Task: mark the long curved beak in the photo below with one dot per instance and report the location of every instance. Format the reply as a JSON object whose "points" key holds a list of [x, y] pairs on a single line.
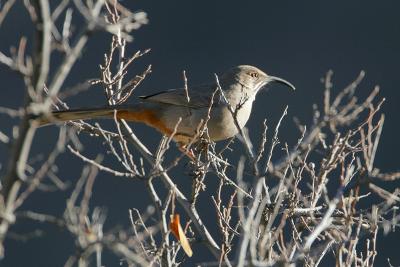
{"points": [[280, 80]]}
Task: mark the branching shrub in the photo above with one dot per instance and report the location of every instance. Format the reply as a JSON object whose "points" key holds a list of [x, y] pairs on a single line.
{"points": [[302, 208]]}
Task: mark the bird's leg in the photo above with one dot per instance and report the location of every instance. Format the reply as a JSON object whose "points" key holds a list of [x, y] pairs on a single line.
{"points": [[188, 152]]}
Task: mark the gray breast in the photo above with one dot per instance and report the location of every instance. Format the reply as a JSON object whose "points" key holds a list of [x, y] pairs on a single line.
{"points": [[222, 124]]}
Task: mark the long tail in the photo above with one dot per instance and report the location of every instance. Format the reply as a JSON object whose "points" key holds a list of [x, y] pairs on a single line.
{"points": [[86, 114], [136, 112]]}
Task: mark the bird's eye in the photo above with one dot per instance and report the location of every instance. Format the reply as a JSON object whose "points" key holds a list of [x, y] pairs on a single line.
{"points": [[253, 74]]}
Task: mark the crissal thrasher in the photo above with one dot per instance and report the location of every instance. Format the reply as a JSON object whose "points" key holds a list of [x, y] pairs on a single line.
{"points": [[172, 109]]}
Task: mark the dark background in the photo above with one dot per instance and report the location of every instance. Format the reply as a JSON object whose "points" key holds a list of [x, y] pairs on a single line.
{"points": [[295, 40]]}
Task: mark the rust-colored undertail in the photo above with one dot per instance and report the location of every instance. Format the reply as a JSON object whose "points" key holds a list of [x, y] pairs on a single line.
{"points": [[135, 114]]}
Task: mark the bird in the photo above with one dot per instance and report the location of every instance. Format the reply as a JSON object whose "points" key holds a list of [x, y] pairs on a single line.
{"points": [[225, 105]]}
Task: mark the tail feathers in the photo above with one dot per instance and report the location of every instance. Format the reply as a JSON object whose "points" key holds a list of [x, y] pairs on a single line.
{"points": [[78, 114]]}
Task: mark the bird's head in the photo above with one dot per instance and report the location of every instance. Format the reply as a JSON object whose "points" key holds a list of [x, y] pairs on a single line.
{"points": [[252, 78]]}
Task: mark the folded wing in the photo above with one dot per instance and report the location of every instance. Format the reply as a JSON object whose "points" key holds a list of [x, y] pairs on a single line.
{"points": [[199, 97]]}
